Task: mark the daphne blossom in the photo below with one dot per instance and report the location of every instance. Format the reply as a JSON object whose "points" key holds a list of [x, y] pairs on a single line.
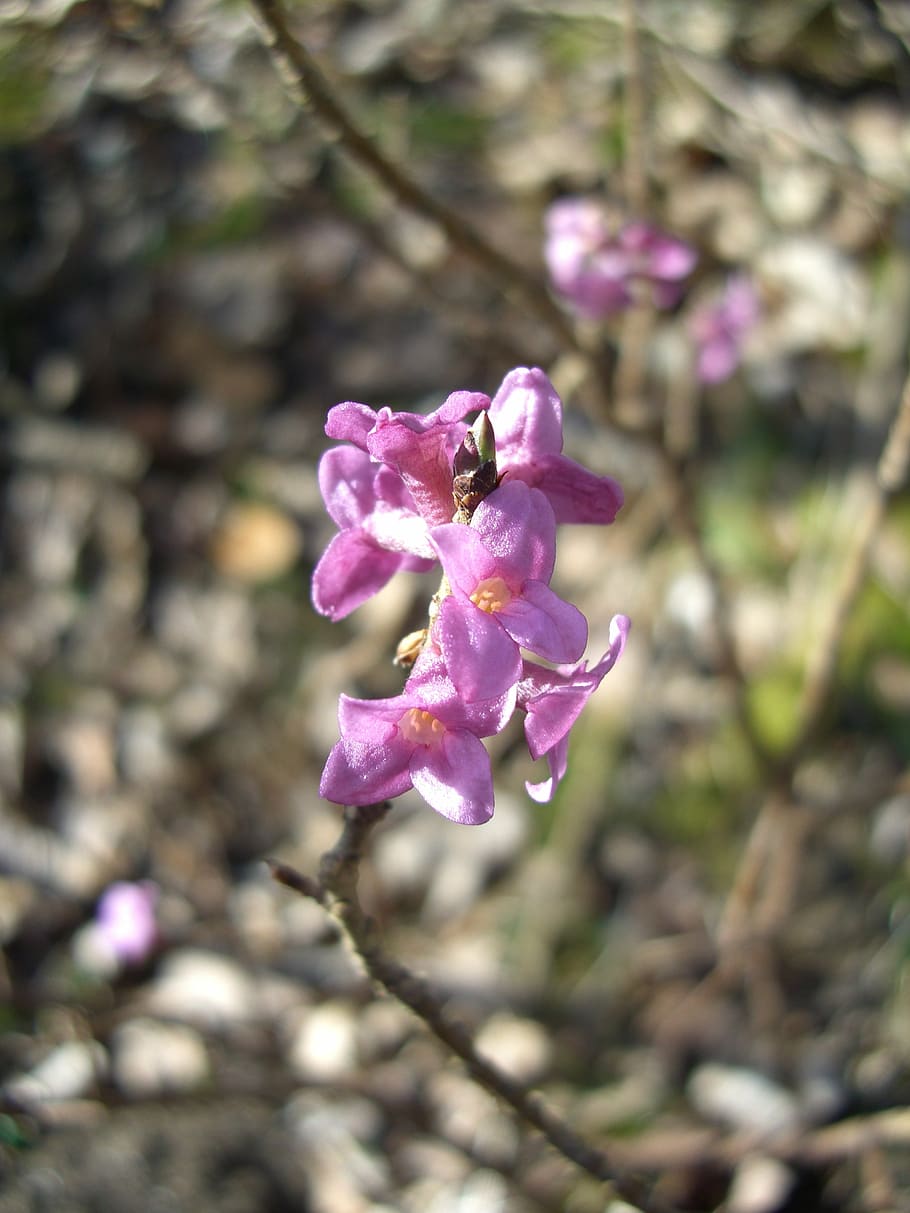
{"points": [[498, 570], [125, 920], [720, 328], [408, 489], [553, 701], [427, 738], [599, 269]]}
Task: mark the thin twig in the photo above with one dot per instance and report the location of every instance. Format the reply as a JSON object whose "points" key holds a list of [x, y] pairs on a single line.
{"points": [[684, 512], [751, 882], [336, 891], [820, 1147], [635, 148], [890, 477], [309, 81]]}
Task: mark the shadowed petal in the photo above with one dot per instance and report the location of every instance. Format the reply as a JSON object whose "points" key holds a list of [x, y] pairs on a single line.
{"points": [[351, 570], [517, 527], [545, 624], [557, 761], [359, 773], [347, 481], [454, 778], [464, 557], [482, 661], [575, 494]]}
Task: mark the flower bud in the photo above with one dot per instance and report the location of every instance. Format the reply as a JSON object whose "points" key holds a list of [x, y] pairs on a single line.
{"points": [[474, 467]]}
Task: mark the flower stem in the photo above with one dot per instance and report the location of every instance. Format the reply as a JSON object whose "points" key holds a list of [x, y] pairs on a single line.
{"points": [[336, 891]]}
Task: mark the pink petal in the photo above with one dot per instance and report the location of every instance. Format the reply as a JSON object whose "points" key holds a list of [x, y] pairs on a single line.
{"points": [[543, 623], [717, 359], [350, 422], [430, 686], [372, 721], [358, 773], [347, 481], [517, 526], [527, 416], [423, 460], [483, 662], [454, 778], [464, 557], [557, 762], [574, 493], [351, 570], [554, 699]]}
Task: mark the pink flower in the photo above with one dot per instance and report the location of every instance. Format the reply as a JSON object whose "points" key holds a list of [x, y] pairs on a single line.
{"points": [[125, 918], [427, 738], [526, 415], [596, 269], [419, 448], [553, 701], [395, 481], [381, 532], [393, 489], [498, 569], [721, 327]]}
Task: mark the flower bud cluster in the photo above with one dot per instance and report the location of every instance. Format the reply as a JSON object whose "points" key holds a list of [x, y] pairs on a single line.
{"points": [[408, 490]]}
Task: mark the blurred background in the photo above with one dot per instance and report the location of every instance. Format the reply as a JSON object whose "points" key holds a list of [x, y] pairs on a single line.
{"points": [[193, 274]]}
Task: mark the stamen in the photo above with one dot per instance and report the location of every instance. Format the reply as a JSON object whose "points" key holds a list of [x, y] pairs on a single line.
{"points": [[421, 727], [492, 594]]}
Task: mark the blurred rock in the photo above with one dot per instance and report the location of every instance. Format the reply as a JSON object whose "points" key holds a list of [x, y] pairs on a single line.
{"points": [[794, 194], [382, 1028], [151, 1058], [215, 628], [880, 133], [760, 1185], [84, 747], [206, 989], [889, 840], [146, 755], [520, 1047], [825, 296], [98, 450], [17, 899], [324, 1047], [68, 1072], [742, 1099], [255, 542], [12, 747], [337, 1137], [56, 380]]}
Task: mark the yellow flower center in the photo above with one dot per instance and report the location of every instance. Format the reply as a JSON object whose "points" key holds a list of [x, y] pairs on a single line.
{"points": [[421, 727], [491, 594]]}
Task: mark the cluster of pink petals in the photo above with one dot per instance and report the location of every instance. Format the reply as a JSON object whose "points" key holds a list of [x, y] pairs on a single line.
{"points": [[600, 270], [389, 490], [720, 328]]}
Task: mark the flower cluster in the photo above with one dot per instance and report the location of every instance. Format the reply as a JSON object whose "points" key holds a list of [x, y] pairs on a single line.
{"points": [[599, 270], [407, 490]]}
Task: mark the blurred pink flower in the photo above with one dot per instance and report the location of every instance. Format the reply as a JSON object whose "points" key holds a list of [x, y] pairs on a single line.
{"points": [[125, 918], [597, 269], [721, 326]]}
